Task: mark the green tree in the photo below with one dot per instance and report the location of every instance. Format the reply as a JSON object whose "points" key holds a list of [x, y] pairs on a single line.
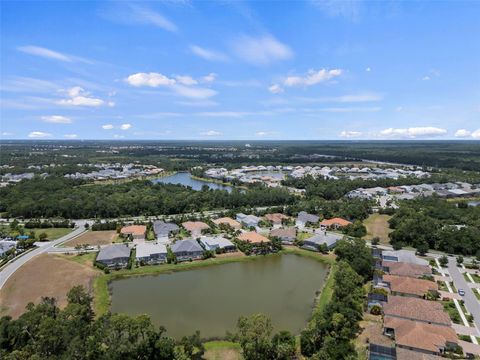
{"points": [[254, 336], [443, 260]]}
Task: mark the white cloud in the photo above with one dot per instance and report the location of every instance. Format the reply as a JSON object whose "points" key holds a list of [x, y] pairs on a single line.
{"points": [[426, 78], [209, 78], [70, 136], [77, 96], [275, 89], [125, 126], [211, 133], [57, 119], [194, 92], [151, 79], [368, 69], [265, 133], [462, 133], [38, 135], [261, 50], [117, 136], [186, 80], [312, 77], [210, 55], [51, 54], [413, 132], [6, 133], [476, 134], [147, 16], [350, 134], [107, 127]]}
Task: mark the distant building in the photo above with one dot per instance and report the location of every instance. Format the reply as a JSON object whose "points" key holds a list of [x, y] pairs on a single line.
{"points": [[114, 256], [163, 230], [334, 223], [6, 245], [276, 219], [195, 227], [187, 250], [151, 253], [324, 238], [286, 235], [217, 242], [137, 232], [234, 224], [248, 220], [304, 218]]}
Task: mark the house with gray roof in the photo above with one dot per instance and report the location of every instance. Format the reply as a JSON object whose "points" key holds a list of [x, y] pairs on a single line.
{"points": [[163, 230], [114, 256], [151, 253], [323, 238], [402, 256], [286, 235], [248, 220], [214, 243], [6, 245], [187, 250], [304, 218]]}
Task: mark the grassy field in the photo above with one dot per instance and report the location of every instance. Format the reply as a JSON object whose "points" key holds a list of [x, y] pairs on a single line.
{"points": [[222, 350], [377, 226], [93, 238], [46, 275], [52, 233]]}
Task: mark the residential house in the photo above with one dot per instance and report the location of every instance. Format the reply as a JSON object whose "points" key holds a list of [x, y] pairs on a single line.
{"points": [[195, 227], [187, 250], [234, 224], [406, 286], [420, 336], [409, 308], [248, 220], [304, 219], [335, 223], [406, 269], [217, 243], [6, 245], [402, 256], [137, 232], [286, 235], [151, 253], [163, 230], [324, 238], [276, 219], [114, 256], [259, 244]]}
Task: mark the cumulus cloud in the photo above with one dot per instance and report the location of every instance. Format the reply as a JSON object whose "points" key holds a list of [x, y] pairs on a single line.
{"points": [[57, 119], [207, 54], [151, 79], [107, 127], [275, 89], [77, 96], [463, 133], [476, 134], [413, 132], [186, 80], [312, 77], [209, 78], [38, 135], [350, 134], [194, 92], [261, 50], [70, 136], [125, 126], [211, 133]]}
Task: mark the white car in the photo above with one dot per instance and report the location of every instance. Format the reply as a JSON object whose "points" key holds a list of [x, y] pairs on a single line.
{"points": [[461, 292]]}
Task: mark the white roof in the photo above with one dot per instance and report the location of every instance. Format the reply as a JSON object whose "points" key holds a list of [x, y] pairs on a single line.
{"points": [[216, 241], [148, 249]]}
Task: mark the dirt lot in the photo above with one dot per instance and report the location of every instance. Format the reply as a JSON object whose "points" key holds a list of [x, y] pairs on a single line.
{"points": [[93, 238], [45, 275], [377, 225]]}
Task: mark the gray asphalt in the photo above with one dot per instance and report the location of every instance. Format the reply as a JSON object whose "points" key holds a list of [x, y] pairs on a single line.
{"points": [[471, 302], [13, 266]]}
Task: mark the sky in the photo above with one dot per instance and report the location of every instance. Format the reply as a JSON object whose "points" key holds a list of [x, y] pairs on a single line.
{"points": [[240, 70]]}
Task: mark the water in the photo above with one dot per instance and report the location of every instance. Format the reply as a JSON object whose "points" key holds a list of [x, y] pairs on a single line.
{"points": [[185, 178], [212, 299]]}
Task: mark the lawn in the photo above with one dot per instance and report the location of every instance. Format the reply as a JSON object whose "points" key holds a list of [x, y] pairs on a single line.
{"points": [[377, 226], [52, 233], [222, 350], [303, 235], [93, 238]]}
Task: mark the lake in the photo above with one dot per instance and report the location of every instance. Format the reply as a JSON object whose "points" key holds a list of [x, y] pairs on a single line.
{"points": [[185, 178], [211, 299]]}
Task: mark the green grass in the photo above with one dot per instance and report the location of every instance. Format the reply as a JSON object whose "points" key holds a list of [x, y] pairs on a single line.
{"points": [[303, 235], [220, 350], [214, 345], [449, 307], [84, 259], [377, 226], [467, 279], [477, 295], [52, 233]]}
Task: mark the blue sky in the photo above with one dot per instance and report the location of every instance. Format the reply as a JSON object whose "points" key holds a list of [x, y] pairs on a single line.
{"points": [[240, 70]]}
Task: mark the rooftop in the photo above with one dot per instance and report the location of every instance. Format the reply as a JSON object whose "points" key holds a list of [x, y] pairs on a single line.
{"points": [[216, 241], [407, 285], [195, 225], [252, 237], [186, 246], [406, 269], [276, 217], [416, 309], [228, 221], [164, 228], [284, 232], [335, 221], [114, 251], [148, 249], [306, 217], [134, 229]]}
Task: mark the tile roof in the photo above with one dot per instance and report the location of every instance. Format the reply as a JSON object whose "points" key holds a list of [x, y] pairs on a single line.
{"points": [[284, 232], [420, 335], [195, 225], [327, 238], [407, 285], [229, 221], [335, 221], [134, 230], [252, 237], [276, 218], [416, 309], [186, 246], [406, 269]]}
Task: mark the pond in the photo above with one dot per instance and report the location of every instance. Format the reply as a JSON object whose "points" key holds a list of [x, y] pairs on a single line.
{"points": [[185, 178], [211, 299]]}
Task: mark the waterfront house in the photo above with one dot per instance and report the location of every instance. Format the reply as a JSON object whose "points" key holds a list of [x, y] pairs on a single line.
{"points": [[114, 256], [187, 250], [304, 219], [409, 308], [163, 230], [195, 227], [286, 235], [136, 232], [257, 244], [151, 253], [324, 238], [406, 269], [214, 243], [406, 286]]}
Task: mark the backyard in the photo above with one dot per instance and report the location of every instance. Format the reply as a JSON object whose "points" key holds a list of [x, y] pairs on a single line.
{"points": [[377, 226]]}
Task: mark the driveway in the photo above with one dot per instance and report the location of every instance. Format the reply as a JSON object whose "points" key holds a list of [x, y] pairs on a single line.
{"points": [[471, 302], [13, 266]]}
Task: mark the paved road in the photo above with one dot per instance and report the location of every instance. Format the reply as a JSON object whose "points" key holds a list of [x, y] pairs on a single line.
{"points": [[471, 302], [13, 266]]}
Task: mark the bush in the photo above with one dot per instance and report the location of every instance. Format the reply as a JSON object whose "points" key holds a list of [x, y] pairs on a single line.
{"points": [[376, 310]]}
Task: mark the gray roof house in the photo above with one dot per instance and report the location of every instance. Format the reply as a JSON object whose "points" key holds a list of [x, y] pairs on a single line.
{"points": [[305, 218], [286, 235], [402, 256], [6, 245], [328, 238], [217, 242], [116, 255], [248, 220], [151, 253], [185, 250], [163, 229]]}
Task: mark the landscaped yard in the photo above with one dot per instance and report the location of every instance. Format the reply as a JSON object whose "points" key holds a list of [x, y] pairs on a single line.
{"points": [[377, 226], [222, 350], [93, 238], [303, 235]]}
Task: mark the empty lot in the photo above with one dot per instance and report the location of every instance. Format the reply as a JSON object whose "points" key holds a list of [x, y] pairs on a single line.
{"points": [[93, 238], [377, 225], [45, 275]]}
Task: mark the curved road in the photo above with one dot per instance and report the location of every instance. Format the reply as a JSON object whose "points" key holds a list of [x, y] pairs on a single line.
{"points": [[13, 266]]}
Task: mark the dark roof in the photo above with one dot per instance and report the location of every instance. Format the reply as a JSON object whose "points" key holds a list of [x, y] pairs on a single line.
{"points": [[162, 228], [306, 217], [113, 252], [186, 246], [327, 238]]}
